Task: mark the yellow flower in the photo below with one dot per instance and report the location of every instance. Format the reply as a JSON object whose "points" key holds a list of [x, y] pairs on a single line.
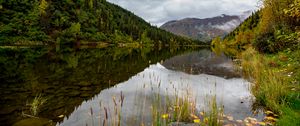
{"points": [[197, 120], [262, 123], [165, 116]]}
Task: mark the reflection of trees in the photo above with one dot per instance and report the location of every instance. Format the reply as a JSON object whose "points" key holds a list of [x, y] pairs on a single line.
{"points": [[67, 77]]}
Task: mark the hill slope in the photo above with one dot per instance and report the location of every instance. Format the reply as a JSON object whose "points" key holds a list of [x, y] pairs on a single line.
{"points": [[68, 21], [267, 46], [205, 29]]}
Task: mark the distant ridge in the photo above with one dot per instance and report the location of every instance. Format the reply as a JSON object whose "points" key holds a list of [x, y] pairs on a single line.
{"points": [[205, 29]]}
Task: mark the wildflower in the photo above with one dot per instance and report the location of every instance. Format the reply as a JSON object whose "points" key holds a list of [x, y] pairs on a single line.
{"points": [[262, 123], [197, 120], [165, 116]]}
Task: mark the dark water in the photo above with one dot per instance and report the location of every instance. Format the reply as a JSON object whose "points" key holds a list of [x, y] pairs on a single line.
{"points": [[74, 82], [65, 78]]}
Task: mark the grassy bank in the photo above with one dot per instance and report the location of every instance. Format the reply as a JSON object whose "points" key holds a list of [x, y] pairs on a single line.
{"points": [[268, 44], [275, 79]]}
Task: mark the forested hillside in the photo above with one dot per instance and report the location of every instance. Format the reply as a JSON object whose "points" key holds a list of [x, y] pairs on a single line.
{"points": [[31, 22], [272, 29], [267, 46]]}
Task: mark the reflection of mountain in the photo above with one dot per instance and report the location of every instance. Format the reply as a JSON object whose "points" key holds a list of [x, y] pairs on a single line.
{"points": [[66, 78], [157, 85], [205, 29], [203, 61]]}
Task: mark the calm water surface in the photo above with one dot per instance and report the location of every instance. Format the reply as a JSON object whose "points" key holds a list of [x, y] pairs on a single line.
{"points": [[88, 86]]}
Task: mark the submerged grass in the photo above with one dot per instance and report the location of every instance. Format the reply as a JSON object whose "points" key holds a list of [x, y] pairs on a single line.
{"points": [[36, 104], [275, 83]]}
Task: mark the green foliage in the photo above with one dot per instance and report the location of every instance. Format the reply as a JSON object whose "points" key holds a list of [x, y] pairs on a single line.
{"points": [[276, 73], [75, 21], [276, 82], [75, 28], [249, 24], [289, 118], [263, 42], [270, 30], [145, 39], [274, 31]]}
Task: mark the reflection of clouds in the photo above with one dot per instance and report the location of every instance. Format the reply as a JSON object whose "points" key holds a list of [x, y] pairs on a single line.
{"points": [[141, 89], [158, 12]]}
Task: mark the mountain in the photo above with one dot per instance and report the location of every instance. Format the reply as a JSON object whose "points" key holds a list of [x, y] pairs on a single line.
{"points": [[70, 22], [205, 29]]}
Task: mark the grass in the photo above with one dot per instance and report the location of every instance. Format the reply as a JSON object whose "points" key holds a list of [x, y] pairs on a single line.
{"points": [[35, 105], [115, 115], [173, 110], [275, 81], [183, 110], [216, 114], [289, 118]]}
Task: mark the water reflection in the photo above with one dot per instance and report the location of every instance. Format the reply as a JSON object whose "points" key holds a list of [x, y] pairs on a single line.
{"points": [[141, 91], [65, 78], [204, 61]]}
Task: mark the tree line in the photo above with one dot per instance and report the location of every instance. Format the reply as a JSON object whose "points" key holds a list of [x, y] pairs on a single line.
{"points": [[71, 21]]}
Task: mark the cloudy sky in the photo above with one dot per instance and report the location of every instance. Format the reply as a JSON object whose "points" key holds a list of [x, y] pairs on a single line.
{"points": [[158, 12]]}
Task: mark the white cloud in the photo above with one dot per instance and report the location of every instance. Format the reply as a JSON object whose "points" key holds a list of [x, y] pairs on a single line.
{"points": [[158, 12]]}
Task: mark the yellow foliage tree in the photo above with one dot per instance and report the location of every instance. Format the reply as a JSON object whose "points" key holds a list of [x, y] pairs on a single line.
{"points": [[43, 6], [294, 10], [273, 13], [216, 45]]}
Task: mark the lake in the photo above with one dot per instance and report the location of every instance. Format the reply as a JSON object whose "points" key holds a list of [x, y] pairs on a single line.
{"points": [[120, 86]]}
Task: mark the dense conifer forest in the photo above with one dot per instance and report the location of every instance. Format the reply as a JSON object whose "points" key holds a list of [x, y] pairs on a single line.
{"points": [[32, 22]]}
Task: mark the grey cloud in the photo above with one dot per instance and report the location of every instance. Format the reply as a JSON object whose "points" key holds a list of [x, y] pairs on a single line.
{"points": [[158, 12]]}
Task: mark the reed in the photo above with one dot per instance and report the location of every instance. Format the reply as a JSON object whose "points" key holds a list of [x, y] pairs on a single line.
{"points": [[215, 115]]}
